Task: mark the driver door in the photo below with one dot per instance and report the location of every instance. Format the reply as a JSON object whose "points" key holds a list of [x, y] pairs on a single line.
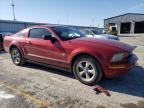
{"points": [[44, 51]]}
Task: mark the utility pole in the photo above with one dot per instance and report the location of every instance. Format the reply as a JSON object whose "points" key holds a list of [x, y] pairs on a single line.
{"points": [[13, 10]]}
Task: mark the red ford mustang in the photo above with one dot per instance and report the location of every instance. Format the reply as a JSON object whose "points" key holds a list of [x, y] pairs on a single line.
{"points": [[62, 47]]}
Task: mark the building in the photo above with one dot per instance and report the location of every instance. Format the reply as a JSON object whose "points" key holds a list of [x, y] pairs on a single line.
{"points": [[130, 23], [15, 26]]}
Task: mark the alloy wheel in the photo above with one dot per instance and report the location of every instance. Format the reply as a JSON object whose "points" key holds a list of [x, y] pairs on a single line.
{"points": [[86, 70], [15, 56]]}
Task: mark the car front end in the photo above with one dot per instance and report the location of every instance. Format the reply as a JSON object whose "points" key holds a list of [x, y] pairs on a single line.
{"points": [[120, 63], [116, 58]]}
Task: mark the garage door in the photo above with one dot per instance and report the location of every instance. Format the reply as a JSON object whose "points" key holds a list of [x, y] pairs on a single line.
{"points": [[139, 27], [125, 28]]}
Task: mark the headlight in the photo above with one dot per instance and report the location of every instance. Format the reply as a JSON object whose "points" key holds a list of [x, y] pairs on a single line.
{"points": [[117, 57]]}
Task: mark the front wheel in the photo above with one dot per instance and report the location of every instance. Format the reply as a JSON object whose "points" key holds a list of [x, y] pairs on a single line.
{"points": [[87, 70], [16, 57]]}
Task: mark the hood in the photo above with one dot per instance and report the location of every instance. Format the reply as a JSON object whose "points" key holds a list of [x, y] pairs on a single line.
{"points": [[109, 36], [104, 42], [101, 36]]}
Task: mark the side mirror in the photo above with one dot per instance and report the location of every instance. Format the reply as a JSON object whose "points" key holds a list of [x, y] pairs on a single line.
{"points": [[47, 37], [50, 37], [53, 39]]}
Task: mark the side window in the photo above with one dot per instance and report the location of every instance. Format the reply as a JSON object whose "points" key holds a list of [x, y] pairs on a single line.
{"points": [[38, 33]]}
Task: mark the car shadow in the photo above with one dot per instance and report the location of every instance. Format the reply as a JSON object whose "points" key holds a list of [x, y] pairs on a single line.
{"points": [[131, 84], [49, 69]]}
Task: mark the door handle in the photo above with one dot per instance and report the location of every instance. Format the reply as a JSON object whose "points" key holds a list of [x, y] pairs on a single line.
{"points": [[28, 42]]}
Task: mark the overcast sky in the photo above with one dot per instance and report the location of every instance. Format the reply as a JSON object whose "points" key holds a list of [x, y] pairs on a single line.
{"points": [[73, 12]]}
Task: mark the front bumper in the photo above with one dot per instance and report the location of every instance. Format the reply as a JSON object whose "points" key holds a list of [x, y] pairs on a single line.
{"points": [[115, 70]]}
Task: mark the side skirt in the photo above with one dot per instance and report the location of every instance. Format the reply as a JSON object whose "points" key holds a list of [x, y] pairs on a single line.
{"points": [[51, 66]]}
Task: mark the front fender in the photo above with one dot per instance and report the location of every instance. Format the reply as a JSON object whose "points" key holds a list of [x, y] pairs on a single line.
{"points": [[96, 54]]}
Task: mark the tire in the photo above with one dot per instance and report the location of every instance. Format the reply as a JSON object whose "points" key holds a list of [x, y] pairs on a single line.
{"points": [[87, 70], [16, 57]]}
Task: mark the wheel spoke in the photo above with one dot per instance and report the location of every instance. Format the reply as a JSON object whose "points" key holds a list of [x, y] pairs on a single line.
{"points": [[13, 56], [17, 60], [14, 52], [17, 55], [82, 73], [81, 66], [87, 76], [87, 65], [91, 71]]}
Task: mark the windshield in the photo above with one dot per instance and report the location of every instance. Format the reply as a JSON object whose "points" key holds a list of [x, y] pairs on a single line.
{"points": [[67, 33], [88, 32]]}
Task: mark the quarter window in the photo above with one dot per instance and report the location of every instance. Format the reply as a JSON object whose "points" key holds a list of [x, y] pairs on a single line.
{"points": [[38, 33]]}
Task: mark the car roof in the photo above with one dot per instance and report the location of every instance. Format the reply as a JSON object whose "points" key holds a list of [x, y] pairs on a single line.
{"points": [[48, 26]]}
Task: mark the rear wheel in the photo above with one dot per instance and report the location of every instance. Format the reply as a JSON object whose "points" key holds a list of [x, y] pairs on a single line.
{"points": [[87, 70], [16, 56]]}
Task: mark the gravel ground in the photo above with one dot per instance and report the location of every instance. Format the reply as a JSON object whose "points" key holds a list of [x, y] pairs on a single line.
{"points": [[36, 86]]}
